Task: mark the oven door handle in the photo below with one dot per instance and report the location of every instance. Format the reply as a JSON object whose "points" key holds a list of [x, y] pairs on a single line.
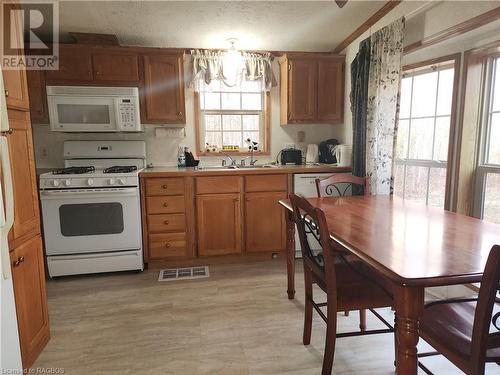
{"points": [[52, 194]]}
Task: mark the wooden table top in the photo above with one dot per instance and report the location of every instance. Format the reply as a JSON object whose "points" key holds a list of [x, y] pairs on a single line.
{"points": [[410, 243]]}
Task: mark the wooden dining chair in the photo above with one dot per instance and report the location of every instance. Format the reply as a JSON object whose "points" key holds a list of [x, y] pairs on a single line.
{"points": [[346, 288], [340, 184], [465, 330]]}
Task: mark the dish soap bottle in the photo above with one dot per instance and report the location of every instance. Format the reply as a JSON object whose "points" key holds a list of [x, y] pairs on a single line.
{"points": [[181, 158]]}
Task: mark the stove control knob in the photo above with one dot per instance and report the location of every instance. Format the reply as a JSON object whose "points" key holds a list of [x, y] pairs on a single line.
{"points": [[67, 182], [121, 181], [55, 183], [90, 182], [111, 181]]}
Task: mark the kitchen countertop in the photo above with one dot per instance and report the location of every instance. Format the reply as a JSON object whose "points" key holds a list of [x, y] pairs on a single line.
{"points": [[207, 171]]}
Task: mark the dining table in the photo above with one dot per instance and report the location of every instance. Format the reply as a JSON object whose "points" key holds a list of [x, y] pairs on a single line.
{"points": [[413, 245]]}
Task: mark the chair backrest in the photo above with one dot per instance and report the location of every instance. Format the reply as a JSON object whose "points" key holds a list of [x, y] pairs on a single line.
{"points": [[481, 338], [338, 184], [311, 220]]}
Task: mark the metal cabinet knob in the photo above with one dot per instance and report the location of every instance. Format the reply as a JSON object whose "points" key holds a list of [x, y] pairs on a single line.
{"points": [[179, 114], [6, 93], [166, 222], [97, 73], [163, 186], [167, 245], [18, 262], [165, 204]]}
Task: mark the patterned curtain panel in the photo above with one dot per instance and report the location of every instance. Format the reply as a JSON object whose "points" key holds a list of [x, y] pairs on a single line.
{"points": [[359, 98], [231, 68], [383, 105]]}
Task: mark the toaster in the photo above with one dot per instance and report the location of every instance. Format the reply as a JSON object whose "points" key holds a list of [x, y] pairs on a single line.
{"points": [[291, 156]]}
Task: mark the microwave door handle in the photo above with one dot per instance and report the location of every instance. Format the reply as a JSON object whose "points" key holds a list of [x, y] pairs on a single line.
{"points": [[117, 119], [9, 207]]}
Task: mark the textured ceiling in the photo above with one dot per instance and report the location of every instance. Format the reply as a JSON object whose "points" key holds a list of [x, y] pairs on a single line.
{"points": [[261, 25]]}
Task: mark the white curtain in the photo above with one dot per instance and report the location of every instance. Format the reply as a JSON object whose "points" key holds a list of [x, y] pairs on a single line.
{"points": [[208, 65], [383, 105]]}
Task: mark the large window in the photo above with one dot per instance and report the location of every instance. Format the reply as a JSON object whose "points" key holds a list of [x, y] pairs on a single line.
{"points": [[421, 161], [231, 115], [488, 172]]}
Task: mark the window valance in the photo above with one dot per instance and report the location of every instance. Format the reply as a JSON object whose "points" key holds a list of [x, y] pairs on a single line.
{"points": [[231, 68]]}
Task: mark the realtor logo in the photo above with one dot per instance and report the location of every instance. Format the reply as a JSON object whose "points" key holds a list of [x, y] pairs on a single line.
{"points": [[30, 38]]}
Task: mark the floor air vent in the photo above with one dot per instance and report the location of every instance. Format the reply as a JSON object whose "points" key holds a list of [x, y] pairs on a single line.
{"points": [[183, 273]]}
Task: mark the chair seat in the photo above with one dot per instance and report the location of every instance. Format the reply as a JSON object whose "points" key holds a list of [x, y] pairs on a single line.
{"points": [[356, 290], [450, 324]]}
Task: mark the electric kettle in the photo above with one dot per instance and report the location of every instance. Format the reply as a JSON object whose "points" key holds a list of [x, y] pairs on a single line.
{"points": [[343, 154]]}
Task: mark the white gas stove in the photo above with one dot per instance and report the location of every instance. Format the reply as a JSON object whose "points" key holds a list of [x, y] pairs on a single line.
{"points": [[91, 208]]}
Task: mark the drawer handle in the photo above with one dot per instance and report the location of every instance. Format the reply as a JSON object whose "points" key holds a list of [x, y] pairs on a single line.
{"points": [[163, 186], [166, 222], [6, 93], [167, 245], [179, 114], [165, 204], [98, 73], [18, 262]]}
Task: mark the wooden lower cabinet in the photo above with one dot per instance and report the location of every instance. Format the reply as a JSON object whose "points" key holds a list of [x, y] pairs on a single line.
{"points": [[31, 298], [264, 222], [218, 219]]}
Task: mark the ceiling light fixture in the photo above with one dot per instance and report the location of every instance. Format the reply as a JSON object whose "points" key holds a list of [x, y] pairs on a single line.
{"points": [[232, 63]]}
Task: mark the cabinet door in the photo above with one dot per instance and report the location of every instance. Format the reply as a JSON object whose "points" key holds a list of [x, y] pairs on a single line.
{"points": [[115, 66], [302, 90], [164, 89], [16, 86], [27, 218], [75, 64], [331, 90], [264, 222], [28, 276], [37, 97], [219, 224]]}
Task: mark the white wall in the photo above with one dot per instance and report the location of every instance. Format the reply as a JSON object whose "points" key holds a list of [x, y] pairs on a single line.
{"points": [[163, 151]]}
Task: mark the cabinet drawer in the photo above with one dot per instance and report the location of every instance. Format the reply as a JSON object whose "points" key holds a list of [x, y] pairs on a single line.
{"points": [[165, 205], [166, 223], [165, 186], [167, 245], [275, 182], [223, 184]]}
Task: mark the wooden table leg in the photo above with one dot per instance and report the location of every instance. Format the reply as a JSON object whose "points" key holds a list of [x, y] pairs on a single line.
{"points": [[409, 309], [290, 254]]}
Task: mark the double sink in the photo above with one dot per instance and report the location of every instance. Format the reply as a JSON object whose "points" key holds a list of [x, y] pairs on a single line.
{"points": [[237, 167]]}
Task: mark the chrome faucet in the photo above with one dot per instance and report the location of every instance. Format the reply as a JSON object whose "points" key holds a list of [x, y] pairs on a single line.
{"points": [[231, 159]]}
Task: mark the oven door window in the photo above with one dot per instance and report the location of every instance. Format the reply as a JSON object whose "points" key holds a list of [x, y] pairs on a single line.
{"points": [[91, 219]]}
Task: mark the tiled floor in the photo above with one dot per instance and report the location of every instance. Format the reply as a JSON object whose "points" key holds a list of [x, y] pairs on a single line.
{"points": [[238, 321]]}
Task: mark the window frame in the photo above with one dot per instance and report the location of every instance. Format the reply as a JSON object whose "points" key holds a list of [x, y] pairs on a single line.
{"points": [[422, 67], [264, 146], [483, 167]]}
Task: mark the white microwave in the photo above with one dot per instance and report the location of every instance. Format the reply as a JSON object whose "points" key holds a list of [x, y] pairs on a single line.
{"points": [[93, 109]]}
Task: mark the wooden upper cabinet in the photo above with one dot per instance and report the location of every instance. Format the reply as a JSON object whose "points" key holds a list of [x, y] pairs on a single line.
{"points": [[15, 82], [312, 88], [302, 79], [27, 217], [37, 97], [115, 65], [31, 298], [331, 90], [75, 64], [163, 93], [264, 222], [219, 224]]}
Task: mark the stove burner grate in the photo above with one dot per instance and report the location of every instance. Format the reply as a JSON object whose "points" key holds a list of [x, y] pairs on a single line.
{"points": [[74, 170], [120, 169]]}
